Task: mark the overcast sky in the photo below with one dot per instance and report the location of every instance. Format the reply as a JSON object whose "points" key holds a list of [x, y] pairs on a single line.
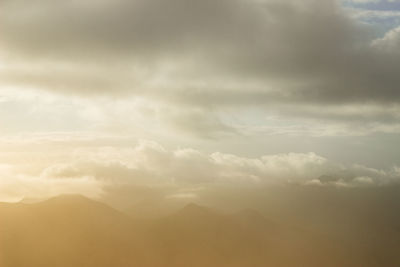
{"points": [[187, 94]]}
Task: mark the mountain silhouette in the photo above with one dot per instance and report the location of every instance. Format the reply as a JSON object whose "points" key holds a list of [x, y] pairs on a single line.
{"points": [[69, 230], [72, 230]]}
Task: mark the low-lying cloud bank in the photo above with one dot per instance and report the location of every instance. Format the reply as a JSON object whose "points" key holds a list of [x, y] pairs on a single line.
{"points": [[182, 172], [149, 162]]}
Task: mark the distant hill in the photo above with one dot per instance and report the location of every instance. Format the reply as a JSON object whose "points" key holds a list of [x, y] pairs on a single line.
{"points": [[72, 230], [66, 231]]}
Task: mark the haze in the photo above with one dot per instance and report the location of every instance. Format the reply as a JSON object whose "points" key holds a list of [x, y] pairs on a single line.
{"points": [[199, 133]]}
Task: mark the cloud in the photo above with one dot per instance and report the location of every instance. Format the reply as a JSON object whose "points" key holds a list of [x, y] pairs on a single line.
{"points": [[148, 169], [198, 122], [203, 59], [81, 81], [188, 166], [14, 186], [280, 47], [390, 43]]}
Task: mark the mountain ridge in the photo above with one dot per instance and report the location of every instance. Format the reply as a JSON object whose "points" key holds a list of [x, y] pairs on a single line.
{"points": [[78, 231]]}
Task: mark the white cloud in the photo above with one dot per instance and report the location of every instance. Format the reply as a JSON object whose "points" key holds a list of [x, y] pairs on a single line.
{"points": [[390, 43], [15, 186], [88, 170]]}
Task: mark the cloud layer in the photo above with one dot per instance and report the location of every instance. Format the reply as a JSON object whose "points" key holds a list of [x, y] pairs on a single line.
{"points": [[95, 171], [286, 58]]}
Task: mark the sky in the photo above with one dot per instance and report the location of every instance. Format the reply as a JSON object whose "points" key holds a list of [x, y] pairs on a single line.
{"points": [[174, 98]]}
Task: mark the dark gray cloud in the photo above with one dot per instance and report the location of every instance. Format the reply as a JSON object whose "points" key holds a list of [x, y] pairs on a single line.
{"points": [[204, 53]]}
